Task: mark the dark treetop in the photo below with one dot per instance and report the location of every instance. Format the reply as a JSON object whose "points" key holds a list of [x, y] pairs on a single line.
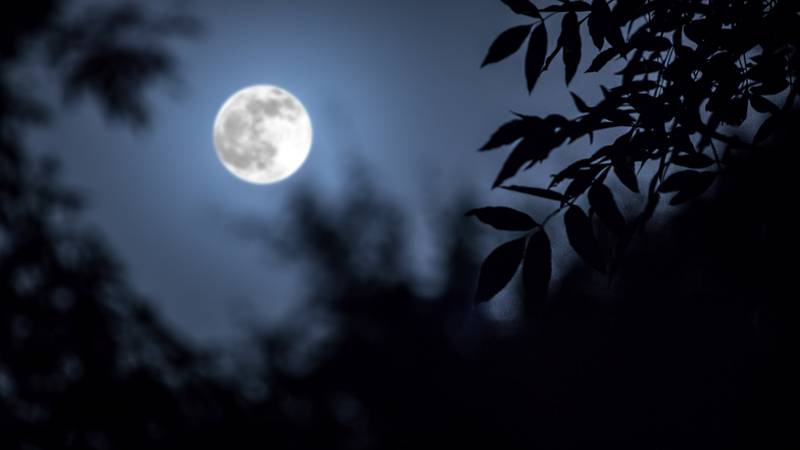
{"points": [[690, 73]]}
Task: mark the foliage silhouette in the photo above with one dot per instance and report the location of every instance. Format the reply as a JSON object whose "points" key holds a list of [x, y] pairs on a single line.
{"points": [[691, 71], [504, 218], [680, 352], [83, 363]]}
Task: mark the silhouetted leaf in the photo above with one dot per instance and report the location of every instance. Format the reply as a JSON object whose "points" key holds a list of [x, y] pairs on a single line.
{"points": [[677, 181], [699, 30], [571, 42], [615, 38], [680, 139], [581, 237], [553, 54], [772, 87], [602, 201], [579, 103], [626, 174], [508, 133], [523, 7], [506, 44], [599, 21], [652, 111], [649, 209], [763, 105], [635, 86], [530, 150], [649, 42], [516, 159], [538, 192], [766, 129], [733, 110], [570, 171], [534, 59], [768, 67], [602, 59], [688, 183], [692, 160], [537, 267], [582, 180], [504, 218], [638, 67], [579, 184], [499, 268]]}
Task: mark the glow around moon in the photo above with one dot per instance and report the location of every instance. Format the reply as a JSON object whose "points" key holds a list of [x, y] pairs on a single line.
{"points": [[262, 134]]}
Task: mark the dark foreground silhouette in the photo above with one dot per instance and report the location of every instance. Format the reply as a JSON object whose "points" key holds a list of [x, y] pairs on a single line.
{"points": [[686, 76], [686, 349]]}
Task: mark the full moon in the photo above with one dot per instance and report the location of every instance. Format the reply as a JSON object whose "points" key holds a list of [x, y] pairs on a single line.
{"points": [[262, 134]]}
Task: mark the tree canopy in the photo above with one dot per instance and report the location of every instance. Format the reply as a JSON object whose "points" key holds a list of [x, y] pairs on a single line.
{"points": [[692, 72]]}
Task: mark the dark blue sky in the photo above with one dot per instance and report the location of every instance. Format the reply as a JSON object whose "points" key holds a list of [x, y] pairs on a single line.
{"points": [[392, 87]]}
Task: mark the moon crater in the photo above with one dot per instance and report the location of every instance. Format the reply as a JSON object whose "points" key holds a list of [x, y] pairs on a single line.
{"points": [[262, 134]]}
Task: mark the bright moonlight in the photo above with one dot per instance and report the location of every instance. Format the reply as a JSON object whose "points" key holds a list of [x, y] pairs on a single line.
{"points": [[262, 134]]}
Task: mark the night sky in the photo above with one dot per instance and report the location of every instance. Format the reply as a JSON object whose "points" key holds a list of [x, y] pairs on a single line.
{"points": [[394, 89]]}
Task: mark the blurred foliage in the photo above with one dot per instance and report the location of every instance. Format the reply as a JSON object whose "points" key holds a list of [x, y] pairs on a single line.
{"points": [[691, 72], [83, 363], [112, 52]]}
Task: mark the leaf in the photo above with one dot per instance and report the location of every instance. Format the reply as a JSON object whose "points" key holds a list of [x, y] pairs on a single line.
{"points": [[571, 171], [571, 41], [537, 268], [530, 150], [766, 129], [692, 160], [763, 105], [506, 44], [649, 209], [518, 157], [614, 37], [648, 42], [614, 34], [652, 111], [504, 218], [680, 139], [626, 174], [637, 67], [635, 86], [579, 103], [734, 112], [524, 7], [688, 183], [695, 191], [498, 269], [582, 180], [508, 133], [602, 59], [581, 237], [534, 59], [537, 192], [599, 21], [677, 181], [773, 87], [602, 201]]}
